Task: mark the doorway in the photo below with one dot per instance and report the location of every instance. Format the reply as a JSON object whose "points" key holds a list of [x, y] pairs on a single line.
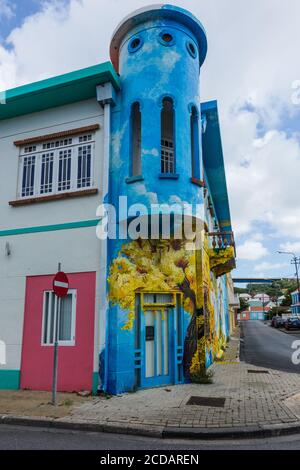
{"points": [[159, 339]]}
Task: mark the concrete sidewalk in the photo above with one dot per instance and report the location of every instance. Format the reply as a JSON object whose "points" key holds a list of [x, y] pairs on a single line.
{"points": [[258, 403], [251, 400]]}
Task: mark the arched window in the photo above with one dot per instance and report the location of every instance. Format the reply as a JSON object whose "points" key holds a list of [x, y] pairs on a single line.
{"points": [[195, 154], [136, 121], [167, 137]]}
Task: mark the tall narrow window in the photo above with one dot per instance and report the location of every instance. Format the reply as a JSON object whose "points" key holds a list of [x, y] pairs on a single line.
{"points": [[64, 170], [84, 166], [47, 173], [66, 319], [28, 176], [136, 121], [195, 154], [167, 137]]}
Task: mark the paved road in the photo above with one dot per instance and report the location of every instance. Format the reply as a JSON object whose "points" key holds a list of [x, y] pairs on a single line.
{"points": [[267, 347], [22, 438]]}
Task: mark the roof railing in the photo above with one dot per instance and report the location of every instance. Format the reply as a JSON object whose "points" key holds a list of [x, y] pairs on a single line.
{"points": [[221, 240]]}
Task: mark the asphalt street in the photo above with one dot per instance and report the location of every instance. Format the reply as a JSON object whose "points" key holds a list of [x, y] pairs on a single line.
{"points": [[25, 438], [264, 346], [261, 345]]}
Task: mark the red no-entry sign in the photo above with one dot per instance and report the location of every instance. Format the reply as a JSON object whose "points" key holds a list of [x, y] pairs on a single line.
{"points": [[60, 284]]}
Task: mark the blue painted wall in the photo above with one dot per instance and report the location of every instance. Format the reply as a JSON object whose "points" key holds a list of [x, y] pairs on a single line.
{"points": [[152, 72]]}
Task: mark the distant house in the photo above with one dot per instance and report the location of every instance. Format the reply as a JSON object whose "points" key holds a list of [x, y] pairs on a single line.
{"points": [[244, 316], [262, 297], [295, 302], [256, 311], [245, 297], [270, 305]]}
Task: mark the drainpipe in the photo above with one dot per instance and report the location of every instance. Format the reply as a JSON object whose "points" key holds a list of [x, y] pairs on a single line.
{"points": [[106, 98]]}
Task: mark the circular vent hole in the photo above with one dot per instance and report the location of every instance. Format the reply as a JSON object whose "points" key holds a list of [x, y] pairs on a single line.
{"points": [[135, 44], [167, 37]]}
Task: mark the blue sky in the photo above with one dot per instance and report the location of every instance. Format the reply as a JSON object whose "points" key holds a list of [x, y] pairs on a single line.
{"points": [[250, 69], [20, 9]]}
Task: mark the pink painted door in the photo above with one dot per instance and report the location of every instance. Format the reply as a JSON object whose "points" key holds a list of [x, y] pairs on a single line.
{"points": [[76, 334]]}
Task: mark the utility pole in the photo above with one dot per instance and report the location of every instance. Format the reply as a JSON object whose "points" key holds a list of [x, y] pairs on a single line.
{"points": [[295, 261]]}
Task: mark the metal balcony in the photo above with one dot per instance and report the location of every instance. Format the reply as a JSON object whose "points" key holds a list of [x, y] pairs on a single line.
{"points": [[221, 240], [222, 252]]}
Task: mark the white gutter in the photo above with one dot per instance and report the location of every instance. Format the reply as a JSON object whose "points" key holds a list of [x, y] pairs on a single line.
{"points": [[106, 98]]}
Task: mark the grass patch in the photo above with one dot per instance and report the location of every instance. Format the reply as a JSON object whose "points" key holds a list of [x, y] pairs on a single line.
{"points": [[203, 377]]}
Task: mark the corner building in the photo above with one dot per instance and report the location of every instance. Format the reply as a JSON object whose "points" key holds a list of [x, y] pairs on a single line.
{"points": [[141, 312]]}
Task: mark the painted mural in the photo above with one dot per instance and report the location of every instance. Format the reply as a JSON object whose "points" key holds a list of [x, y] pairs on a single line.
{"points": [[167, 266], [156, 266], [153, 51]]}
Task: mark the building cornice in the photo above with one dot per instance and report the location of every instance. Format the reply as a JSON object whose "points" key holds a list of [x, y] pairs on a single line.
{"points": [[56, 91], [57, 135]]}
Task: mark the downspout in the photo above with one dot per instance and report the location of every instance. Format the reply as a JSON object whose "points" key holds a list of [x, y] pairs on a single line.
{"points": [[106, 98]]}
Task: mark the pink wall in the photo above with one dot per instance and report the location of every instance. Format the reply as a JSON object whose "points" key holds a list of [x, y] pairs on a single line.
{"points": [[75, 362]]}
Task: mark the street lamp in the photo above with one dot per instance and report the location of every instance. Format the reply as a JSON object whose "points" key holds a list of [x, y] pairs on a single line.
{"points": [[294, 261]]}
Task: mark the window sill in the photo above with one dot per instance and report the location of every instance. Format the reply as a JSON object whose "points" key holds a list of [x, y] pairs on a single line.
{"points": [[198, 182], [168, 176], [53, 197], [134, 179]]}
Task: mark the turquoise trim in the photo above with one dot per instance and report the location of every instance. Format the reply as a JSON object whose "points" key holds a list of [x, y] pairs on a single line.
{"points": [[9, 379], [57, 91], [213, 163], [49, 228], [95, 382]]}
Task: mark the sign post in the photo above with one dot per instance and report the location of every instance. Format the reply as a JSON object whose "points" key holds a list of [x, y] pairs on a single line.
{"points": [[60, 288]]}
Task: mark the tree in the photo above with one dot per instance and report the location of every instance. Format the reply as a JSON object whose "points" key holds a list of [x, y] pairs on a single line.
{"points": [[287, 301], [240, 290], [276, 289], [243, 304]]}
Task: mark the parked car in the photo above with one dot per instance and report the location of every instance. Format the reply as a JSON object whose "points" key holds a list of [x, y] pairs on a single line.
{"points": [[280, 322], [292, 323], [273, 321]]}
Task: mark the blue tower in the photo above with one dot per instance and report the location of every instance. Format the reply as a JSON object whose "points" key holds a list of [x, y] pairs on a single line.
{"points": [[156, 158], [158, 52]]}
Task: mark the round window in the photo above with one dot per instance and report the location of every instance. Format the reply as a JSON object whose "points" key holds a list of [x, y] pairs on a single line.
{"points": [[191, 49], [135, 44], [166, 38]]}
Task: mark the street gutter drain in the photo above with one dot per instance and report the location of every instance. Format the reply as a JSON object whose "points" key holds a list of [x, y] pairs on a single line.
{"points": [[252, 371], [207, 401]]}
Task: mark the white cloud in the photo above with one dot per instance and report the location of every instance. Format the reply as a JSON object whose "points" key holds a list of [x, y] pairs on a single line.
{"points": [[251, 250], [259, 237], [267, 266], [293, 247], [267, 188]]}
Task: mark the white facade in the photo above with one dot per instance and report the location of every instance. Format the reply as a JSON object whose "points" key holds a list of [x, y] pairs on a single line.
{"points": [[77, 249]]}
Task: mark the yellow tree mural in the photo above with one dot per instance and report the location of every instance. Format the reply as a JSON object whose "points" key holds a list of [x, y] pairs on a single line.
{"points": [[159, 265]]}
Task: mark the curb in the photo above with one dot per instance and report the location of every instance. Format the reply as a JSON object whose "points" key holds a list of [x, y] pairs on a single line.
{"points": [[118, 428], [248, 432]]}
